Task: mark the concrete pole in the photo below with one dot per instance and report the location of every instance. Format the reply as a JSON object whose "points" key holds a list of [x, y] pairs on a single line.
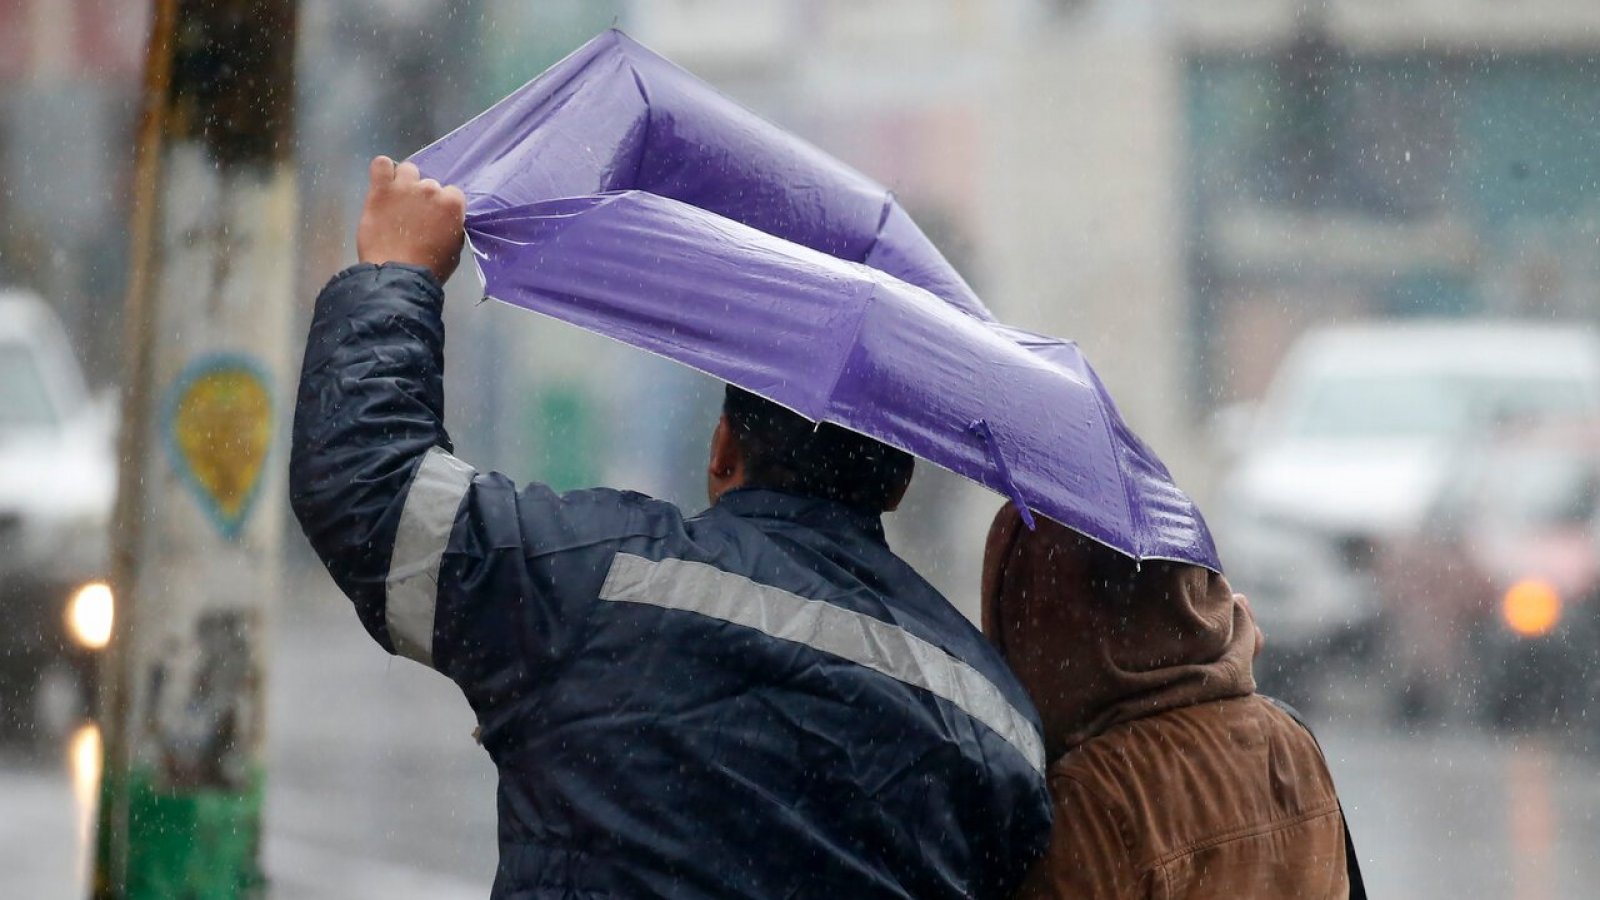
{"points": [[196, 555]]}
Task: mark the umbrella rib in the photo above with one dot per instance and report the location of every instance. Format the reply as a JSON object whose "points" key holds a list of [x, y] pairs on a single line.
{"points": [[848, 351], [649, 120], [980, 427], [1106, 412], [883, 219]]}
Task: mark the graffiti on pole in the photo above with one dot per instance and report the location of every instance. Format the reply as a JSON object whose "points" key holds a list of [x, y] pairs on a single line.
{"points": [[218, 420], [202, 716]]}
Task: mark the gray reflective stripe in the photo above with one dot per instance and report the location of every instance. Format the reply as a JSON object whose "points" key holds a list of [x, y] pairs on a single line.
{"points": [[426, 520], [699, 588]]}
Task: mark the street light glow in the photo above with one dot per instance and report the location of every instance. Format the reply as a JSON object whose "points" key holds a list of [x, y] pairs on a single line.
{"points": [[89, 615], [86, 762], [1531, 607]]}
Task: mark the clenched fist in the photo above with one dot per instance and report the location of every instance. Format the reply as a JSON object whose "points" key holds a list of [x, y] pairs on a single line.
{"points": [[410, 219]]}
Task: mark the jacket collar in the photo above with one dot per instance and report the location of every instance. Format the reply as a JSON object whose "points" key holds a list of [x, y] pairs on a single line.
{"points": [[811, 512]]}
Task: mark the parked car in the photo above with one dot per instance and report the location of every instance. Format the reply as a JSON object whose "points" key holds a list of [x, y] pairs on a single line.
{"points": [[57, 485], [1356, 436], [1494, 599]]}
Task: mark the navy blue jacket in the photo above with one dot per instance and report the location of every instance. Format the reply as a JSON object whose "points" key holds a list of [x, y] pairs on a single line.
{"points": [[760, 701]]}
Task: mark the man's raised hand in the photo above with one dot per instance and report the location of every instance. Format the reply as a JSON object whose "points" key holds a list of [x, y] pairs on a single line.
{"points": [[410, 219]]}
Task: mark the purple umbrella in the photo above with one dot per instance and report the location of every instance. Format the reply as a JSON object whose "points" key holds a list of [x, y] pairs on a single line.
{"points": [[618, 193]]}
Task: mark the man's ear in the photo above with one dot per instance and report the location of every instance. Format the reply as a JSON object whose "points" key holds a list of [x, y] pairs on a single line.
{"points": [[725, 470]]}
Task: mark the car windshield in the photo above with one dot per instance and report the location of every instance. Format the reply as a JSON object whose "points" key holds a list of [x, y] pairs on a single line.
{"points": [[1543, 487], [24, 402], [1424, 405]]}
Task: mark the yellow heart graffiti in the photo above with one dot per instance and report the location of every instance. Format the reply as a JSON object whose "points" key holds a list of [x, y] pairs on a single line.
{"points": [[221, 432]]}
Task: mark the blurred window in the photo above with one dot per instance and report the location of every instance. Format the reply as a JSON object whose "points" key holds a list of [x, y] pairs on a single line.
{"points": [[1544, 487], [1528, 401], [1389, 406], [24, 402], [1378, 406]]}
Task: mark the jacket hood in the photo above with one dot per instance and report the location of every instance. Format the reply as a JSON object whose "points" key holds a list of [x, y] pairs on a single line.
{"points": [[1098, 639]]}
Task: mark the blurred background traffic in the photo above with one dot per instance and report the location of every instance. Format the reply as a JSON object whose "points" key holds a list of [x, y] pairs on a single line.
{"points": [[1338, 261]]}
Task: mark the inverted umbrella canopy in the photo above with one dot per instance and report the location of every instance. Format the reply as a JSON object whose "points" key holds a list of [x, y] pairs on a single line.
{"points": [[619, 194], [615, 116]]}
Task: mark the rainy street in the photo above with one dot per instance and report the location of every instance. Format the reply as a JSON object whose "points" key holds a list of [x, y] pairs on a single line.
{"points": [[378, 790], [369, 755], [1247, 330]]}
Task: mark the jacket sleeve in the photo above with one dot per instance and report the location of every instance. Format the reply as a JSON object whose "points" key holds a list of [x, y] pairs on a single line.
{"points": [[453, 568], [369, 410]]}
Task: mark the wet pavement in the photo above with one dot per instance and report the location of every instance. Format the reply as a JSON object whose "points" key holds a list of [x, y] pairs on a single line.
{"points": [[1463, 814], [377, 789]]}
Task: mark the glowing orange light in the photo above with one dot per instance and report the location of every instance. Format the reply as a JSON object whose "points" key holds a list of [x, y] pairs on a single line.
{"points": [[89, 615], [84, 756], [1531, 607]]}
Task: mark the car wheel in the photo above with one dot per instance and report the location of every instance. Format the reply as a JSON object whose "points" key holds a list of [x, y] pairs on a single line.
{"points": [[1503, 708], [44, 708], [1414, 702], [59, 704]]}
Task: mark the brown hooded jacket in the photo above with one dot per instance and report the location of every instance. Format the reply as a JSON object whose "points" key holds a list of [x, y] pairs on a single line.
{"points": [[1170, 776]]}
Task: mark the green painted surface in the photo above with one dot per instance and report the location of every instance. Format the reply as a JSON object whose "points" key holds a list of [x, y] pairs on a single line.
{"points": [[1500, 152], [1533, 128], [563, 427], [519, 40], [1494, 140], [1422, 293], [200, 844]]}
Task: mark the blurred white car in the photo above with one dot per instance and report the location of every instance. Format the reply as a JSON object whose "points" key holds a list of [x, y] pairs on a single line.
{"points": [[1353, 441], [57, 485]]}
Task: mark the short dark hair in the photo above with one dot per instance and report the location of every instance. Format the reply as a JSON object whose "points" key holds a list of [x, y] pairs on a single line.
{"points": [[786, 451]]}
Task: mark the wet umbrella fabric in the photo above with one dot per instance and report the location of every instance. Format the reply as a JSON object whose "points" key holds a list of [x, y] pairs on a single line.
{"points": [[618, 193], [615, 116]]}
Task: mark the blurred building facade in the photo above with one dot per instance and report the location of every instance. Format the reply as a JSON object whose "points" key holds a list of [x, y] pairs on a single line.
{"points": [[1034, 141], [1179, 187], [1363, 160], [69, 74], [1183, 187]]}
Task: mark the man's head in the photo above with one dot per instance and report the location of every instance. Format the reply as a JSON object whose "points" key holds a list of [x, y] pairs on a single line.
{"points": [[761, 444]]}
